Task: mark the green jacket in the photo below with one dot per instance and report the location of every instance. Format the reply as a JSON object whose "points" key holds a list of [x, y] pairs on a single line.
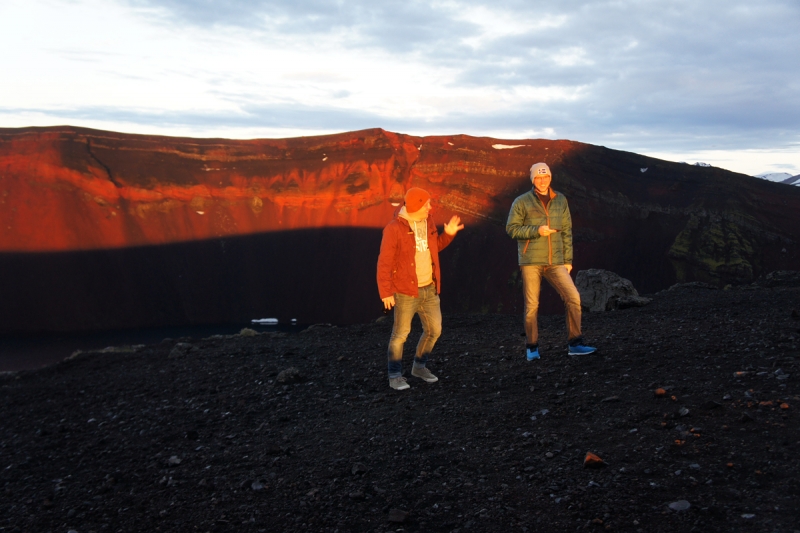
{"points": [[526, 215]]}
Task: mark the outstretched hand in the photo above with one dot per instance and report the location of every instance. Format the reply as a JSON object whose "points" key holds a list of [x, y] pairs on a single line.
{"points": [[454, 226]]}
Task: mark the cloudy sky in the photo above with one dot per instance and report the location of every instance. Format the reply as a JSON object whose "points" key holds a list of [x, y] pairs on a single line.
{"points": [[716, 81]]}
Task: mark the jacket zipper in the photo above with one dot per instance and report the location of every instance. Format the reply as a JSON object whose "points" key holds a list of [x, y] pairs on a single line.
{"points": [[549, 242]]}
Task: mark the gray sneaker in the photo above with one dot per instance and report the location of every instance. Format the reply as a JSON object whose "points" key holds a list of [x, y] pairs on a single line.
{"points": [[399, 383], [424, 374]]}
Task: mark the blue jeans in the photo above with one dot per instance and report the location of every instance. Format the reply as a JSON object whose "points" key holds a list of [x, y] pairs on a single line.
{"points": [[426, 305]]}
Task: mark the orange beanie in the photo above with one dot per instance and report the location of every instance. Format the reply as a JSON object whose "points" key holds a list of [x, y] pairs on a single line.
{"points": [[415, 199]]}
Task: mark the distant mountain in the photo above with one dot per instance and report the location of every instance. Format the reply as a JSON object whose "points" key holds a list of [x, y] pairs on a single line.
{"points": [[779, 177], [794, 180], [104, 230]]}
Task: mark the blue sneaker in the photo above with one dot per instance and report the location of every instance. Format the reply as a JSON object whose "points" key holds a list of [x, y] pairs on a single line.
{"points": [[580, 349], [532, 354]]}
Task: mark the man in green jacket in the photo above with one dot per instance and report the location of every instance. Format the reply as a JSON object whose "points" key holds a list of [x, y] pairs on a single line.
{"points": [[540, 222]]}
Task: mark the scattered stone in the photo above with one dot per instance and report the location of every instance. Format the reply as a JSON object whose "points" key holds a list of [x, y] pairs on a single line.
{"points": [[780, 278], [592, 461], [273, 450], [356, 495], [174, 460], [179, 350], [257, 486], [317, 328], [693, 285], [683, 411], [748, 516], [709, 405], [602, 290], [784, 405], [660, 393], [746, 417], [610, 399], [397, 516], [290, 375], [358, 469], [680, 505]]}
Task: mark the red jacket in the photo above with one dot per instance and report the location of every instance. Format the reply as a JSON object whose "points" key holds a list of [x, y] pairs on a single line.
{"points": [[396, 269]]}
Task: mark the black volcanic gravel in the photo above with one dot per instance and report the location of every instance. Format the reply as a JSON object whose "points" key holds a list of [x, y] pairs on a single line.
{"points": [[201, 436]]}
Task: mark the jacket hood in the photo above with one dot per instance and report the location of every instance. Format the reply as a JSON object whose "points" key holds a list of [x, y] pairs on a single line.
{"points": [[402, 213]]}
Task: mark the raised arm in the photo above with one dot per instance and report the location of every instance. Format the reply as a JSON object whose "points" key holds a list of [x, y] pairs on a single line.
{"points": [[451, 228]]}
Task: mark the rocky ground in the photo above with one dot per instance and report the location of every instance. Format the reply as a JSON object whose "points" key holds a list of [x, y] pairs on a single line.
{"points": [[203, 436]]}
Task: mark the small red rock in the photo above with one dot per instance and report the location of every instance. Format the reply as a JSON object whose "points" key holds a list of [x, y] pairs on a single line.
{"points": [[592, 460], [660, 393]]}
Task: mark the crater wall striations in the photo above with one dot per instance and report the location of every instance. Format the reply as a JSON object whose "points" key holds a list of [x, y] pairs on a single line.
{"points": [[92, 221]]}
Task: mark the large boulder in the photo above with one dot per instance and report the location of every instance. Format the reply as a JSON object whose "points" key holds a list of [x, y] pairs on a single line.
{"points": [[602, 290]]}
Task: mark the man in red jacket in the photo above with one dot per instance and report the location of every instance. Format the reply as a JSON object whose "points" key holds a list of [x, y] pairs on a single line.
{"points": [[409, 280]]}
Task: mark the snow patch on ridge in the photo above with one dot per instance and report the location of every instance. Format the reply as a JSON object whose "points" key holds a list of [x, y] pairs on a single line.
{"points": [[507, 146]]}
